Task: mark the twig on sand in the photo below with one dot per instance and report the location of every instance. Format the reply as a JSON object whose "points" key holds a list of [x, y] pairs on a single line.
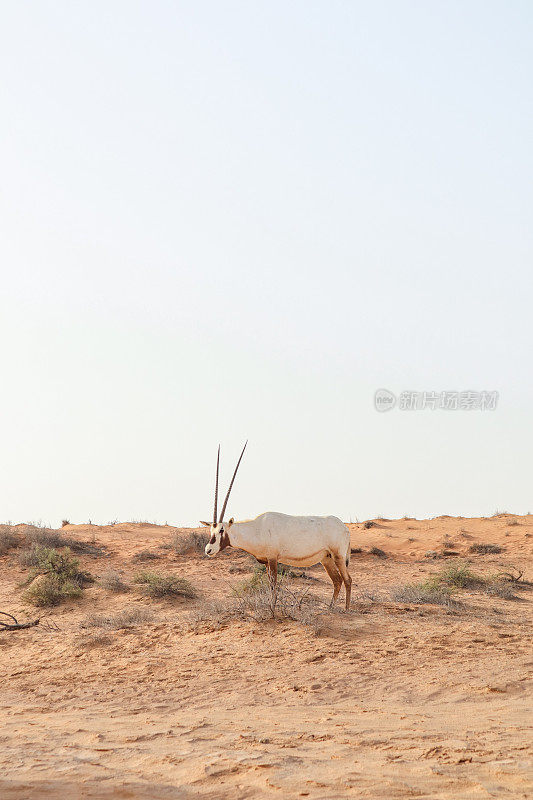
{"points": [[14, 625]]}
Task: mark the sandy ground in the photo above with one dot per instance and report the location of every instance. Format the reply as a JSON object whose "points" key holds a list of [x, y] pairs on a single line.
{"points": [[392, 700]]}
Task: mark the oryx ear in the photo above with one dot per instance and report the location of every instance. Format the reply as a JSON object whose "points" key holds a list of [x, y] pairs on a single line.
{"points": [[207, 524], [230, 522]]}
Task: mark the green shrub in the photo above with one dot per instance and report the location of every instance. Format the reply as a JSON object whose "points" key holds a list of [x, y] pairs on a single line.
{"points": [[459, 576], [424, 593], [156, 584], [54, 575], [51, 589]]}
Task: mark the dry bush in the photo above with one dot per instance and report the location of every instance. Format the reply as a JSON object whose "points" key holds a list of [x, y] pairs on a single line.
{"points": [[52, 538], [65, 522], [210, 617], [8, 539], [485, 548], [259, 578], [146, 555], [498, 588], [192, 541], [424, 593], [157, 585], [123, 619], [368, 524], [376, 551], [260, 603], [93, 639], [513, 522], [448, 543], [113, 582]]}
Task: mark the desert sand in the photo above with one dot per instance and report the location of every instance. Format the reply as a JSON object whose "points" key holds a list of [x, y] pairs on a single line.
{"points": [[391, 700]]}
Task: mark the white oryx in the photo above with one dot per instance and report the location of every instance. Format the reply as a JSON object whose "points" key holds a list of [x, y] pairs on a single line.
{"points": [[297, 541]]}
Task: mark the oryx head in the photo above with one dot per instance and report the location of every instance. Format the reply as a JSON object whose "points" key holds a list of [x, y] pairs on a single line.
{"points": [[219, 529]]}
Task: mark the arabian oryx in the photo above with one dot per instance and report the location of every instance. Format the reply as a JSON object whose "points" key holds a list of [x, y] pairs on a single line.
{"points": [[297, 541]]}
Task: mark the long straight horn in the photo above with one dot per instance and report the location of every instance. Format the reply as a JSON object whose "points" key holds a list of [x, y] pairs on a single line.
{"points": [[231, 484], [216, 489]]}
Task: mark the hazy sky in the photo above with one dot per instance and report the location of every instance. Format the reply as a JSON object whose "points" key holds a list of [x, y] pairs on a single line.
{"points": [[230, 220]]}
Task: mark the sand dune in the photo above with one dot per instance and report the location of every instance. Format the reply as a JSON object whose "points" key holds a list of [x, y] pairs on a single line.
{"points": [[392, 700]]}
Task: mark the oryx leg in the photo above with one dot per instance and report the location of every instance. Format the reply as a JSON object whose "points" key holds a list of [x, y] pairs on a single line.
{"points": [[272, 572], [334, 574], [345, 575]]}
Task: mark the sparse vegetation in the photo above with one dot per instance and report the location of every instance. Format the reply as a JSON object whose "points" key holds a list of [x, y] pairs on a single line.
{"points": [[513, 522], [52, 538], [376, 551], [503, 589], [146, 555], [259, 578], [486, 548], [424, 593], [123, 619], [65, 522], [49, 590], [369, 524], [8, 540], [298, 605], [158, 585], [192, 541], [113, 582], [459, 576], [55, 576]]}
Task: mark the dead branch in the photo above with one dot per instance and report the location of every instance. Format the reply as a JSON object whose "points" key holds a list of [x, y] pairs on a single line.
{"points": [[509, 576], [15, 625]]}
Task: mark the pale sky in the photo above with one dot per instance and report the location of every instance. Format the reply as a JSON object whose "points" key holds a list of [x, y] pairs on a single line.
{"points": [[230, 220]]}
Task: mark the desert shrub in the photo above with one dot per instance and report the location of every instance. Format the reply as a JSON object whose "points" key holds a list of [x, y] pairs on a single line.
{"points": [[260, 604], [486, 548], [191, 541], [513, 522], [49, 560], [156, 585], [113, 582], [460, 576], [369, 524], [498, 588], [448, 543], [210, 617], [55, 576], [65, 522], [424, 593], [123, 619], [51, 589], [376, 551], [146, 555], [259, 578], [43, 536], [8, 540], [51, 538], [94, 638]]}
